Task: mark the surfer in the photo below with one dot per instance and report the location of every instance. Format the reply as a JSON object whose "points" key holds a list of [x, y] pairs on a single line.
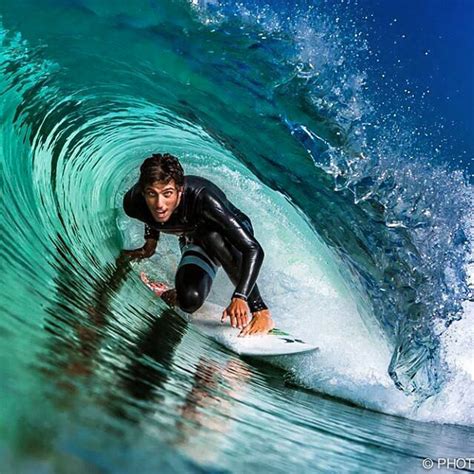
{"points": [[212, 233]]}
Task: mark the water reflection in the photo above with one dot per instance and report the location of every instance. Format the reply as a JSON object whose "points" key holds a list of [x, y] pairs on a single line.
{"points": [[78, 319], [207, 414], [143, 388]]}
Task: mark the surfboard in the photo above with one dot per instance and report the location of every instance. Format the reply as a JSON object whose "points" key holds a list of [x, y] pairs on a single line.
{"points": [[207, 320]]}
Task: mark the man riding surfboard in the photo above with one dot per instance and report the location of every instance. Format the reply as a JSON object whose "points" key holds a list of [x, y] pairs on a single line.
{"points": [[212, 233]]}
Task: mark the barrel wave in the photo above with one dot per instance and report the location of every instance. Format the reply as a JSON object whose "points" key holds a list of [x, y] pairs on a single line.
{"points": [[367, 239]]}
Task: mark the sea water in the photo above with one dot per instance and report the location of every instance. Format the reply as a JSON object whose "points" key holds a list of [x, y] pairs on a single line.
{"points": [[332, 127]]}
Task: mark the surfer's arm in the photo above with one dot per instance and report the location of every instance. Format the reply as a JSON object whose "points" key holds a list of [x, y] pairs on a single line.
{"points": [[151, 241], [143, 252], [217, 211]]}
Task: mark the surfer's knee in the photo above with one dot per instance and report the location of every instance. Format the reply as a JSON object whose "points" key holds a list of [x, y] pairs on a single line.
{"points": [[190, 300]]}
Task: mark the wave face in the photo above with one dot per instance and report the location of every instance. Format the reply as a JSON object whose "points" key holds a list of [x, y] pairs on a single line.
{"points": [[409, 235], [409, 244], [367, 235]]}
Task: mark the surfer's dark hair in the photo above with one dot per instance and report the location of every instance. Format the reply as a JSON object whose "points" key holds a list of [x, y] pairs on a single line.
{"points": [[160, 168]]}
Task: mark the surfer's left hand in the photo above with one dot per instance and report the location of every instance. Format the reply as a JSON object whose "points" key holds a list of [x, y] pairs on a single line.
{"points": [[261, 323], [237, 312]]}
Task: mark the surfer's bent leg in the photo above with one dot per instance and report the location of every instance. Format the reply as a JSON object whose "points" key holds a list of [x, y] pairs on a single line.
{"points": [[231, 260], [194, 277], [192, 285]]}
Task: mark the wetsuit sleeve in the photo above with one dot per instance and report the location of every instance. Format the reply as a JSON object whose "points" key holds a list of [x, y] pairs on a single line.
{"points": [[218, 211]]}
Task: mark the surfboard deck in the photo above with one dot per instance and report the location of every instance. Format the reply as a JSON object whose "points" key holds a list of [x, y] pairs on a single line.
{"points": [[207, 321]]}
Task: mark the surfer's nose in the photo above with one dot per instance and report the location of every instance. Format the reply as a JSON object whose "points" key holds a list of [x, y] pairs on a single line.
{"points": [[159, 203]]}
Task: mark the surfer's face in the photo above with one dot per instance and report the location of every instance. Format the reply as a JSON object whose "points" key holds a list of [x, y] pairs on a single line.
{"points": [[162, 199]]}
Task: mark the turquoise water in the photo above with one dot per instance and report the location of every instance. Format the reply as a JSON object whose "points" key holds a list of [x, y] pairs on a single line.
{"points": [[367, 246]]}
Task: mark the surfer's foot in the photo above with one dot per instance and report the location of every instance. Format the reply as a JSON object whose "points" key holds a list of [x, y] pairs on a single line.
{"points": [[260, 324], [170, 297]]}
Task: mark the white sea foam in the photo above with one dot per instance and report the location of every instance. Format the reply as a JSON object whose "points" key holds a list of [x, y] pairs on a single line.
{"points": [[455, 402]]}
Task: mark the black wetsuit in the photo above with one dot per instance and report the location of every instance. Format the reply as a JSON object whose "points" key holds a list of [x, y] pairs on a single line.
{"points": [[205, 218]]}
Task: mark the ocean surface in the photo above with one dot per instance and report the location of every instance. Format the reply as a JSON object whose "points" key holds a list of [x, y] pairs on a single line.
{"points": [[344, 129]]}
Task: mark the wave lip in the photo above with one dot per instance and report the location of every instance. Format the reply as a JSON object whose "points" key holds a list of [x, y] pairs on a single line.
{"points": [[421, 263]]}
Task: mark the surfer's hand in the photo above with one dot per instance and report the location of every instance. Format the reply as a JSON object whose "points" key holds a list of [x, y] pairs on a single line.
{"points": [[237, 311], [261, 323], [137, 254]]}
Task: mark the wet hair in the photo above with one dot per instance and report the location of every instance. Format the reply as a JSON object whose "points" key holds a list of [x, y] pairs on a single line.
{"points": [[160, 168]]}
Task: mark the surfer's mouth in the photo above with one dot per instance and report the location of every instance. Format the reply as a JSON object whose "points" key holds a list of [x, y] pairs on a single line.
{"points": [[160, 214]]}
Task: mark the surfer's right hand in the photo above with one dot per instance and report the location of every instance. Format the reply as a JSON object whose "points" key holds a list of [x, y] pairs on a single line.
{"points": [[136, 254]]}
